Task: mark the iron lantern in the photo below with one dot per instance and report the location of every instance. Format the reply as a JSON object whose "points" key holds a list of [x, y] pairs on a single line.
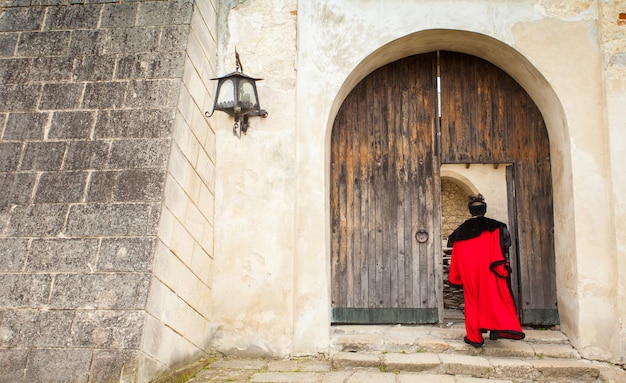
{"points": [[236, 95]]}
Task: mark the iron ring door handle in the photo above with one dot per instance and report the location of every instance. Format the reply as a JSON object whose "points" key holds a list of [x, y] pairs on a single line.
{"points": [[421, 236]]}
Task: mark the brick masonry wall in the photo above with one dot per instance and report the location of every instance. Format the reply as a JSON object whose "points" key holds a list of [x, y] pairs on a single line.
{"points": [[88, 97]]}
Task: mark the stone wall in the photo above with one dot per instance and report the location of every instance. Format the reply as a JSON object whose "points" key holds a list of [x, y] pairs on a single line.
{"points": [[453, 207], [88, 113], [178, 327]]}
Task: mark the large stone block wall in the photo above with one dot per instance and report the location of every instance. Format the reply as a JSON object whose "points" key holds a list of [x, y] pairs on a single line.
{"points": [[92, 96], [178, 325]]}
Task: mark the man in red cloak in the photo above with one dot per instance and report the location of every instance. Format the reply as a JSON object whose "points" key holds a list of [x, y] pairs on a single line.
{"points": [[480, 265]]}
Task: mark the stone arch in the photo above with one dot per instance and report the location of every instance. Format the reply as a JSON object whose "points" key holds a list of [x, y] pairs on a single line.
{"points": [[459, 179], [540, 90]]}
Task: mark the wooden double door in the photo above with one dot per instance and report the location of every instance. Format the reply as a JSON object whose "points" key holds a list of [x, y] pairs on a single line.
{"points": [[389, 139]]}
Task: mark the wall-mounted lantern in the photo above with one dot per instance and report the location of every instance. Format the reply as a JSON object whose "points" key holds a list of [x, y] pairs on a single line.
{"points": [[236, 95]]}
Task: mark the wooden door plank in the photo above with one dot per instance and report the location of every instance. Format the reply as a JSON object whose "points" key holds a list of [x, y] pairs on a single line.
{"points": [[486, 89], [379, 191], [343, 229], [415, 197], [405, 221], [334, 216], [499, 91], [358, 260], [401, 148], [388, 187], [393, 181], [350, 256], [366, 198]]}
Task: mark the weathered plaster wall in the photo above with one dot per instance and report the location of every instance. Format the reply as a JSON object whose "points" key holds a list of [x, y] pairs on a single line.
{"points": [[551, 50], [255, 185], [613, 37], [590, 179]]}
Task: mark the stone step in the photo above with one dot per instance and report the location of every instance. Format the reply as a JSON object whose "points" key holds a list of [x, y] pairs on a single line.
{"points": [[485, 367], [346, 367], [418, 354], [543, 356], [416, 339]]}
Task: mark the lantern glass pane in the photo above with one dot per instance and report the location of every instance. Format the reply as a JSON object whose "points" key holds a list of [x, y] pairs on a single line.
{"points": [[247, 95], [226, 96]]}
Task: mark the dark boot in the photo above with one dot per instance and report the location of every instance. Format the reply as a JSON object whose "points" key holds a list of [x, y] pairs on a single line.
{"points": [[474, 344]]}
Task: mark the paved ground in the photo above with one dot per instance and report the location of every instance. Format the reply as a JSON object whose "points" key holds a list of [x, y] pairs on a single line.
{"points": [[316, 371], [405, 354], [322, 371]]}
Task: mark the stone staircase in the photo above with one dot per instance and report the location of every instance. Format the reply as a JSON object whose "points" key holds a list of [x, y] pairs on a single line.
{"points": [[412, 354], [437, 352]]}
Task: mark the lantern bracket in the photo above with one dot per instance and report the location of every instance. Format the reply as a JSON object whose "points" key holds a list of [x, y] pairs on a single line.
{"points": [[236, 95]]}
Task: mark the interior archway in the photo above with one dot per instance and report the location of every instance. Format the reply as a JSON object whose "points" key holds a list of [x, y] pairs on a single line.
{"points": [[459, 179]]}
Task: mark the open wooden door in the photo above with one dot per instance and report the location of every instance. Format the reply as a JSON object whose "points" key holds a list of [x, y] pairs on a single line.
{"points": [[513, 257], [487, 117], [387, 144], [385, 214]]}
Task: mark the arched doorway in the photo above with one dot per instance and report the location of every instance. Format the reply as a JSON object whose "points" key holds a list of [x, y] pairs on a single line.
{"points": [[389, 139]]}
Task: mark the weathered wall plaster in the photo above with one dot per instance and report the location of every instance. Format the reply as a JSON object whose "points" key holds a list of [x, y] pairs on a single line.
{"points": [[556, 58], [255, 187], [613, 37], [589, 172]]}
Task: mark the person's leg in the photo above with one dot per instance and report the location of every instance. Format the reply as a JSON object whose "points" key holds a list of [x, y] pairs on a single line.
{"points": [[474, 336]]}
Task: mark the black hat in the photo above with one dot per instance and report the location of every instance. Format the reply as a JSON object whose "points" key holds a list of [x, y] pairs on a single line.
{"points": [[477, 205]]}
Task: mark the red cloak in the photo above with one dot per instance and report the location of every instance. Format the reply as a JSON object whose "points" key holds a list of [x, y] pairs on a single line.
{"points": [[479, 265]]}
